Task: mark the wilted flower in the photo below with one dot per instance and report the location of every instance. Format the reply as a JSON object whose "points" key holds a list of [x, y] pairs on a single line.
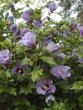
{"points": [[49, 99], [11, 19], [37, 23], [52, 6], [6, 15], [81, 30], [54, 33], [26, 15], [61, 71], [73, 26], [28, 40], [45, 87], [67, 33], [52, 47], [22, 32], [14, 28], [73, 53], [4, 57], [46, 40], [12, 7], [80, 60], [61, 55]]}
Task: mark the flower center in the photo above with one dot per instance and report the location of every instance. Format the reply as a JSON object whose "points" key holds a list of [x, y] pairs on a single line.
{"points": [[59, 72], [46, 87], [19, 70]]}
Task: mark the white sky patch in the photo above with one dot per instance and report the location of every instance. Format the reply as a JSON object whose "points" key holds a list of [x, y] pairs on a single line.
{"points": [[56, 17]]}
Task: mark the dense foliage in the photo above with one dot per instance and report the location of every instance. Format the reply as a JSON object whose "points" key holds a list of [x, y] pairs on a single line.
{"points": [[41, 60]]}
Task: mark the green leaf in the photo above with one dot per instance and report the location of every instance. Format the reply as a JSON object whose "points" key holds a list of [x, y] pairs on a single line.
{"points": [[78, 85], [63, 85], [25, 90], [2, 89], [8, 74], [26, 61], [36, 73], [22, 101], [11, 91], [48, 60]]}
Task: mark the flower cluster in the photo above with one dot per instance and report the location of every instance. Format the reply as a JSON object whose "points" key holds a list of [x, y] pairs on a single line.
{"points": [[39, 58]]}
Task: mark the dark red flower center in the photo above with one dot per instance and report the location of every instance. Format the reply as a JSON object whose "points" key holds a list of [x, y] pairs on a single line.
{"points": [[19, 69]]}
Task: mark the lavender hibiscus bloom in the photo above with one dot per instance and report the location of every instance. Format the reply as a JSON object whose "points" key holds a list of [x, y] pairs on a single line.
{"points": [[22, 32], [37, 23], [14, 28], [5, 57], [18, 69], [61, 71], [52, 6], [45, 87], [61, 55], [81, 30], [52, 47], [28, 40], [26, 16], [49, 99]]}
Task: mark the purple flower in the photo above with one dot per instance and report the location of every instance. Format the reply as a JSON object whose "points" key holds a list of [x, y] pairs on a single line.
{"points": [[14, 28], [49, 98], [61, 55], [61, 71], [52, 6], [45, 87], [26, 15], [11, 19], [18, 69], [54, 33], [46, 41], [37, 23], [5, 57], [81, 30], [73, 26], [22, 32], [28, 40], [52, 47], [67, 33], [73, 53], [80, 60]]}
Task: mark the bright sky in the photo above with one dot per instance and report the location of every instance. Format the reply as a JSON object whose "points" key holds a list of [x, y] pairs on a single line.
{"points": [[55, 16]]}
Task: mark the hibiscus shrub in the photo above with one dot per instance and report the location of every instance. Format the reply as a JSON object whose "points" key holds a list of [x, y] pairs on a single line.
{"points": [[41, 60]]}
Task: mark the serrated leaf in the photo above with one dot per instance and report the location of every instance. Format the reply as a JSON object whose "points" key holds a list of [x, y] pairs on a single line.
{"points": [[8, 74], [36, 73], [26, 61], [78, 85], [48, 60], [11, 91], [25, 90]]}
